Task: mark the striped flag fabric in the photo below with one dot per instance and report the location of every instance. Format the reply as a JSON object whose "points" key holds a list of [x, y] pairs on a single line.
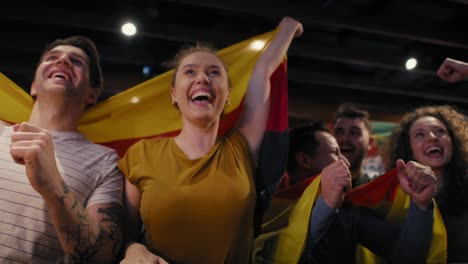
{"points": [[284, 233]]}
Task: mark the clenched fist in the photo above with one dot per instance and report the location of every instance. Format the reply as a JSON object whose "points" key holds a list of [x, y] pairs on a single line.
{"points": [[418, 181], [32, 147], [335, 182]]}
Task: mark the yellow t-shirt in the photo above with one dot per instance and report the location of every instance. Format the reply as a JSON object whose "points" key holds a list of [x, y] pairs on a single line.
{"points": [[195, 211]]}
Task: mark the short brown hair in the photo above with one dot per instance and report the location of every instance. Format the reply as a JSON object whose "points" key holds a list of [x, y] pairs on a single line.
{"points": [[349, 110], [88, 46]]}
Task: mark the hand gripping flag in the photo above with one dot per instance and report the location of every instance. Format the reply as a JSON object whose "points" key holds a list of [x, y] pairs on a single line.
{"points": [[282, 241]]}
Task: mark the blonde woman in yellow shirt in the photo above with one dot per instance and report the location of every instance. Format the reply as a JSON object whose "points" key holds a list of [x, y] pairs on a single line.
{"points": [[195, 193]]}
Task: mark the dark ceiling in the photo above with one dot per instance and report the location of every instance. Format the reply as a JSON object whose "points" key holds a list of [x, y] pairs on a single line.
{"points": [[351, 50]]}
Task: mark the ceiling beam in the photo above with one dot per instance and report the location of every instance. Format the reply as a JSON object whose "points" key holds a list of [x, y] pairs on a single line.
{"points": [[358, 83], [309, 15], [352, 56], [111, 24], [465, 2]]}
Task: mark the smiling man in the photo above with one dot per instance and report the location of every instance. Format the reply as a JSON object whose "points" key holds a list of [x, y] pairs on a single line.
{"points": [[353, 133], [60, 194]]}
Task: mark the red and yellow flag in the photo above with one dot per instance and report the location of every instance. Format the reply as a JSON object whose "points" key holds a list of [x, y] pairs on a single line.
{"points": [[383, 195], [146, 111]]}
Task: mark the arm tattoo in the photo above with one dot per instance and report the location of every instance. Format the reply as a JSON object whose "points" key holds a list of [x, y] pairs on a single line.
{"points": [[66, 191], [112, 217], [89, 235]]}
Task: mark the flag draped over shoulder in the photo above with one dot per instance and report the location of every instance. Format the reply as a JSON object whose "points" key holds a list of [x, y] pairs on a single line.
{"points": [[388, 200], [145, 111], [15, 103], [383, 196], [282, 235]]}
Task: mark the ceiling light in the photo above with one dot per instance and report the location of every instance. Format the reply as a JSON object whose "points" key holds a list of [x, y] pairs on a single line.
{"points": [[411, 64], [129, 29], [146, 70]]}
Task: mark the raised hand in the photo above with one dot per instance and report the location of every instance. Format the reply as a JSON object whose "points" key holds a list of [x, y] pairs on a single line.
{"points": [[33, 147], [418, 181], [296, 26], [453, 70], [335, 182], [138, 253]]}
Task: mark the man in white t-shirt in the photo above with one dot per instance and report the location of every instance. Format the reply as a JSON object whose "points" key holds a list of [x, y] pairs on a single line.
{"points": [[60, 194]]}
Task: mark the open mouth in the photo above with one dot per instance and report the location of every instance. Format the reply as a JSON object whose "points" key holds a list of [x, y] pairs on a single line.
{"points": [[56, 74], [201, 97], [347, 151], [433, 151]]}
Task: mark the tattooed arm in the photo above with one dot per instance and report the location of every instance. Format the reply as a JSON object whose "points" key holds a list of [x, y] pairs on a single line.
{"points": [[91, 235]]}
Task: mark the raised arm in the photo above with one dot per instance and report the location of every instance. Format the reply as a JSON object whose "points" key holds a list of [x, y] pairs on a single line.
{"points": [[257, 101], [86, 235], [453, 70]]}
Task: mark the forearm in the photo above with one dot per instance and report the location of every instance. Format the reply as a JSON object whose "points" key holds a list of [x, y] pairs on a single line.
{"points": [[257, 100], [415, 236], [320, 220], [133, 223], [278, 48], [133, 232], [268, 62], [85, 235]]}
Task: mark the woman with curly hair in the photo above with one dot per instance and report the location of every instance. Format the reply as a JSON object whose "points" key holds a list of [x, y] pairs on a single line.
{"points": [[437, 136]]}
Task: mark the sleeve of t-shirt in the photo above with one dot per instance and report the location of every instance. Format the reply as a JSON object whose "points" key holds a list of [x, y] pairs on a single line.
{"points": [[130, 160], [110, 186], [237, 139]]}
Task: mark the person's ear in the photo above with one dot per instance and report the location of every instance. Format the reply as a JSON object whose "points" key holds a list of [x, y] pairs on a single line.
{"points": [[371, 142], [93, 95], [173, 98], [228, 100], [303, 160], [33, 89]]}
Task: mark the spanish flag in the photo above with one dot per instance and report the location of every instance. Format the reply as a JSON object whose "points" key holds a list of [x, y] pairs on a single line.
{"points": [[282, 241], [145, 111]]}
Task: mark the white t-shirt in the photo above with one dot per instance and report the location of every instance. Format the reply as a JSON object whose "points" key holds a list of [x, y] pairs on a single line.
{"points": [[26, 231]]}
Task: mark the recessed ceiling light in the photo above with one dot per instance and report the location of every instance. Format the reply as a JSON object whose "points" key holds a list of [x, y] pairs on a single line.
{"points": [[411, 63], [129, 29]]}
